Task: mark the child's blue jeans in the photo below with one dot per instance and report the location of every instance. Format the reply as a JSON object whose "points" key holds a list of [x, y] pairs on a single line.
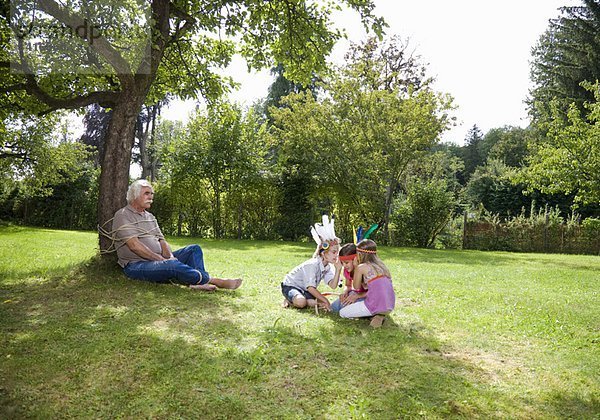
{"points": [[336, 305]]}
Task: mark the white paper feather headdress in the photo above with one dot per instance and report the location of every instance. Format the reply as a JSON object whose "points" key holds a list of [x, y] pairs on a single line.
{"points": [[324, 233]]}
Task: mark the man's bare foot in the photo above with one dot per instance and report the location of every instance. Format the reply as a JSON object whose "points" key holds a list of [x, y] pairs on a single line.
{"points": [[203, 287], [377, 321], [226, 283]]}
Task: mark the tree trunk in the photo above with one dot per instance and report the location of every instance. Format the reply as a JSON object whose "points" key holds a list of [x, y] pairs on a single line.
{"points": [[147, 142], [152, 169], [240, 219], [114, 174], [143, 144], [389, 196], [217, 215]]}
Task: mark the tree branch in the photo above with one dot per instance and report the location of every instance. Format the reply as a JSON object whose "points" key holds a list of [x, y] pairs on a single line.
{"points": [[13, 155], [104, 99], [187, 26], [31, 86], [156, 44], [13, 88], [98, 44]]}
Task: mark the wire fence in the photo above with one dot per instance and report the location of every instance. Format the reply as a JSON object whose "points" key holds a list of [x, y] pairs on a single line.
{"points": [[548, 237]]}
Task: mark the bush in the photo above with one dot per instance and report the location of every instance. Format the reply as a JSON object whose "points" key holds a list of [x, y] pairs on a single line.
{"points": [[451, 236], [422, 213]]}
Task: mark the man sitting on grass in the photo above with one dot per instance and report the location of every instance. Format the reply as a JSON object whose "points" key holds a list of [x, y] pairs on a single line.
{"points": [[144, 253]]}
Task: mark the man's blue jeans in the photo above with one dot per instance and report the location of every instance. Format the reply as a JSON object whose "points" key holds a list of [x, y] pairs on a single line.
{"points": [[188, 268]]}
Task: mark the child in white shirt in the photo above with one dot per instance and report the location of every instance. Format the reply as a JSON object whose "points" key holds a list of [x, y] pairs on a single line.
{"points": [[299, 286]]}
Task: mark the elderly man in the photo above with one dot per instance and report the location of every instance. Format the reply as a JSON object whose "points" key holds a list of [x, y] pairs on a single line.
{"points": [[144, 253]]}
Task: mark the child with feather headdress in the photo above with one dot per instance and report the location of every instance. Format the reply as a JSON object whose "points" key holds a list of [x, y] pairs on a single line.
{"points": [[299, 286]]}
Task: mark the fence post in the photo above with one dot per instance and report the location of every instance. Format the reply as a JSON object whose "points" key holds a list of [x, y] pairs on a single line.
{"points": [[464, 238], [562, 237], [546, 218]]}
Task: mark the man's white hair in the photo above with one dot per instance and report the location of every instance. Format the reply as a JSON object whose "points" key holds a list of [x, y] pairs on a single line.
{"points": [[135, 189]]}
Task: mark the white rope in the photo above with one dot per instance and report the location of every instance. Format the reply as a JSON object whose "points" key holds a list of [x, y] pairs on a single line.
{"points": [[112, 234]]}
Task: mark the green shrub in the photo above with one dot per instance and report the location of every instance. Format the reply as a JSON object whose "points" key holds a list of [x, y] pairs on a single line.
{"points": [[423, 212]]}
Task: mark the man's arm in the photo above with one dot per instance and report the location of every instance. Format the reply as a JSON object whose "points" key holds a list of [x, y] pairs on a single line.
{"points": [[166, 249], [143, 251]]}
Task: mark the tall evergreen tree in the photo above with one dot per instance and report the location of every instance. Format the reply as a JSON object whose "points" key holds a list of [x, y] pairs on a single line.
{"points": [[282, 87], [566, 55], [296, 185], [472, 153]]}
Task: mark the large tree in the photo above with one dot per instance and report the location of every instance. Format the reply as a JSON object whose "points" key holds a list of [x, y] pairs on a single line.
{"points": [[32, 155], [507, 144], [121, 54], [566, 55], [358, 139], [567, 161]]}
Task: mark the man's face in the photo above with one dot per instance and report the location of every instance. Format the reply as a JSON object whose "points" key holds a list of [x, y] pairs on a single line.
{"points": [[144, 200]]}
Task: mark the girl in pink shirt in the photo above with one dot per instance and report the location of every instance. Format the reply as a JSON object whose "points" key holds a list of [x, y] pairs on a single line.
{"points": [[347, 256], [370, 272]]}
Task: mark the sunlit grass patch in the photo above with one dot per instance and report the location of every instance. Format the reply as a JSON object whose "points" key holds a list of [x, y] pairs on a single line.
{"points": [[474, 334]]}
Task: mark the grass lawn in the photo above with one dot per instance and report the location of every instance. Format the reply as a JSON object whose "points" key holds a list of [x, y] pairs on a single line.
{"points": [[474, 335]]}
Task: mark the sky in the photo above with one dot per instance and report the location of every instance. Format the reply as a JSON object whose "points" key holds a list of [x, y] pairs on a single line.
{"points": [[478, 51]]}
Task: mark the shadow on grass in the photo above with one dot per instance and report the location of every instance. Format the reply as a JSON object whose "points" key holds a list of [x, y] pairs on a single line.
{"points": [[577, 406], [91, 343], [359, 372]]}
